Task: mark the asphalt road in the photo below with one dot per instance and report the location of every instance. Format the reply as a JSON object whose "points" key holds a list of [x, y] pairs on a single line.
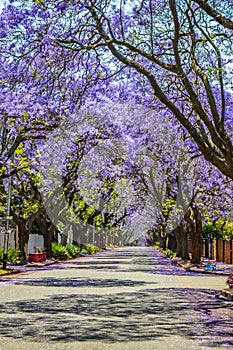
{"points": [[122, 299]]}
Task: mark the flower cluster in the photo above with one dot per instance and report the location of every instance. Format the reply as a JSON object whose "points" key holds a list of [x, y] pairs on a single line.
{"points": [[230, 281]]}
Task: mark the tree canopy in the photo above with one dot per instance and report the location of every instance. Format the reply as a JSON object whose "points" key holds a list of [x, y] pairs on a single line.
{"points": [[60, 59], [181, 48]]}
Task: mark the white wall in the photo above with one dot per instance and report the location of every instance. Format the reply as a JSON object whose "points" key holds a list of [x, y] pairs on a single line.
{"points": [[35, 240]]}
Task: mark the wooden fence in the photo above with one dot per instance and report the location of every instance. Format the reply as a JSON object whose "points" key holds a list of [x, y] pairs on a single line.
{"points": [[218, 250]]}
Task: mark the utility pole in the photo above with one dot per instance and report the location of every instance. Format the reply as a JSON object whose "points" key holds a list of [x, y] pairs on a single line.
{"points": [[7, 224]]}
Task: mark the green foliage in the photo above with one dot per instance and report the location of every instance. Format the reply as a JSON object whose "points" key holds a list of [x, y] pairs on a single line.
{"points": [[223, 229], [60, 252], [13, 255], [38, 2], [69, 251], [168, 206], [169, 253], [227, 229], [73, 250], [156, 245], [84, 251], [113, 246], [91, 249], [211, 232]]}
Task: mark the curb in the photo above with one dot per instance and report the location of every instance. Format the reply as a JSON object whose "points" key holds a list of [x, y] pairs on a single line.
{"points": [[41, 264], [12, 270], [193, 268], [9, 272]]}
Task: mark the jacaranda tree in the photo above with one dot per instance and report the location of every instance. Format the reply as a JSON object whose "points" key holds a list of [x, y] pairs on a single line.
{"points": [[171, 56], [181, 48]]}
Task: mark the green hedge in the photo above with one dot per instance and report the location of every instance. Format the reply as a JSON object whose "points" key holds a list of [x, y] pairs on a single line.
{"points": [[60, 252]]}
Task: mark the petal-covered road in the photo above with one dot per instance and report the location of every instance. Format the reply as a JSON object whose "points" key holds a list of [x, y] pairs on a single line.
{"points": [[125, 298]]}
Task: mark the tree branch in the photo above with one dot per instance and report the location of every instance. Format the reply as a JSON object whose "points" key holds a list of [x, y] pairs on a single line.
{"points": [[224, 21]]}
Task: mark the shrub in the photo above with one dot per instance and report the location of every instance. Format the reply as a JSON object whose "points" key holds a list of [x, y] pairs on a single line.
{"points": [[113, 246], [69, 251], [156, 245], [169, 253], [91, 249], [73, 250], [60, 252], [13, 255]]}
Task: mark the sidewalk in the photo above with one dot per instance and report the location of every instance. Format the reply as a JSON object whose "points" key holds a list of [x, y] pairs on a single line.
{"points": [[13, 269], [221, 268], [34, 266]]}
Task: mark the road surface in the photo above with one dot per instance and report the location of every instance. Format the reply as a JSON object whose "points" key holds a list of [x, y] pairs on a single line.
{"points": [[122, 299]]}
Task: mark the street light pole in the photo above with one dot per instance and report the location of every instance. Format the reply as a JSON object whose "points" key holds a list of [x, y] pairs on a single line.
{"points": [[7, 231]]}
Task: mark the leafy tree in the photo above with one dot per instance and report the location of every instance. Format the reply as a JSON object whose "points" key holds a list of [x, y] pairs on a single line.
{"points": [[211, 232], [171, 56], [176, 46]]}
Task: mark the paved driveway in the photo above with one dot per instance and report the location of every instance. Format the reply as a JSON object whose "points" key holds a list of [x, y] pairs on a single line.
{"points": [[122, 299]]}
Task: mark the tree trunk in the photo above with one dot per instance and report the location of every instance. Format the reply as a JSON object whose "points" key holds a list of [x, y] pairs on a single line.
{"points": [[163, 237], [164, 242], [48, 239], [23, 239], [172, 242], [47, 233], [182, 242], [65, 233], [23, 234], [195, 222], [178, 242], [196, 251]]}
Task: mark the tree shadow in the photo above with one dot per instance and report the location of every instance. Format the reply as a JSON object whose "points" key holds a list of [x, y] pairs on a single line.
{"points": [[132, 316], [158, 264], [79, 282]]}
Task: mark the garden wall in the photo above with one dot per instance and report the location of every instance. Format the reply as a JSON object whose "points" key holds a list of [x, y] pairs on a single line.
{"points": [[12, 238]]}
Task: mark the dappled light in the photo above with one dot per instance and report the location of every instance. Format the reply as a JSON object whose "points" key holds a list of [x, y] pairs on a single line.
{"points": [[143, 315], [125, 303]]}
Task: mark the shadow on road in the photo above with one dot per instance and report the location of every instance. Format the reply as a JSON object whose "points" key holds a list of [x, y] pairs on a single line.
{"points": [[80, 282], [157, 264], [142, 315], [147, 260]]}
